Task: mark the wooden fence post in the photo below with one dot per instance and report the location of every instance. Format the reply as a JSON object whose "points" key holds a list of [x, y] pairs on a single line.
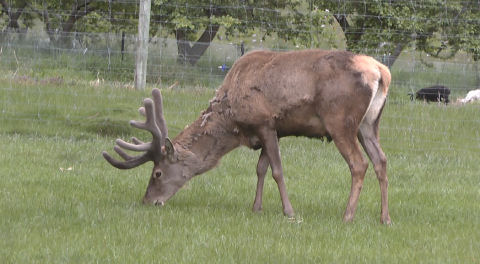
{"points": [[142, 44]]}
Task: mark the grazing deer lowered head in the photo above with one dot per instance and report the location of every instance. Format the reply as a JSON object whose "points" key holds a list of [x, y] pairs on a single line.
{"points": [[265, 96]]}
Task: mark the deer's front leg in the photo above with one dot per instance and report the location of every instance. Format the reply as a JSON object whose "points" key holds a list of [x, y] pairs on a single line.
{"points": [[262, 167], [270, 146]]}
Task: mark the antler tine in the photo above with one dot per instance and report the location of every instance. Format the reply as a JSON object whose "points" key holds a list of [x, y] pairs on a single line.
{"points": [[141, 110], [122, 153], [159, 119], [137, 141], [150, 124], [131, 162], [153, 150], [134, 147]]}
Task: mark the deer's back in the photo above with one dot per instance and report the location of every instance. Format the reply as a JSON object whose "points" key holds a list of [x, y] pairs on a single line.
{"points": [[296, 90]]}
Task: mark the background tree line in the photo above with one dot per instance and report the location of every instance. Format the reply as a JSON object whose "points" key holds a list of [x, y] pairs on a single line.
{"points": [[439, 28]]}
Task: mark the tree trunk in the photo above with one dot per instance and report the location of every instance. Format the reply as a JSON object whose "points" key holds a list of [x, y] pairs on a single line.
{"points": [[477, 74], [353, 37], [65, 36], [189, 53], [13, 15], [389, 60]]}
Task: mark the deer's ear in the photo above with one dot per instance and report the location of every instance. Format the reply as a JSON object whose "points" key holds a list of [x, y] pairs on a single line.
{"points": [[170, 150]]}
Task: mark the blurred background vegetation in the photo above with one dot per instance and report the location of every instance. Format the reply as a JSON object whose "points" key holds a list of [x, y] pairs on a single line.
{"points": [[195, 42]]}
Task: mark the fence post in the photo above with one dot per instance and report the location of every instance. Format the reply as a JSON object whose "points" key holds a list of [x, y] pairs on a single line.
{"points": [[142, 44]]}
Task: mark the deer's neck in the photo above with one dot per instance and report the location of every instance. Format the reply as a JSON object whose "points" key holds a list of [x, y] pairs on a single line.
{"points": [[202, 144]]}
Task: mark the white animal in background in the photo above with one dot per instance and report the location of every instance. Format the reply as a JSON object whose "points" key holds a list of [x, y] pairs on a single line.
{"points": [[472, 95]]}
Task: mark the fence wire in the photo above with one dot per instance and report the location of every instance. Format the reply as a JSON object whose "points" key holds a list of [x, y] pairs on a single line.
{"points": [[100, 52]]}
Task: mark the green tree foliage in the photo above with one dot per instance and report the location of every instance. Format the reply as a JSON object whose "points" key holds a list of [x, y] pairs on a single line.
{"points": [[60, 18], [439, 28], [195, 23], [12, 11]]}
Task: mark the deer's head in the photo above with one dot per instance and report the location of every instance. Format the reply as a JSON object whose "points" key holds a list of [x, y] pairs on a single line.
{"points": [[168, 174]]}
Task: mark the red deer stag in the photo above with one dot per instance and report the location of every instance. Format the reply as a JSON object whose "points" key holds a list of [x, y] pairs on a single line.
{"points": [[265, 96]]}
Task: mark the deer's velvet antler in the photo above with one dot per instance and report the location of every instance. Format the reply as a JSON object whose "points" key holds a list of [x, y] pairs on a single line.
{"points": [[155, 124]]}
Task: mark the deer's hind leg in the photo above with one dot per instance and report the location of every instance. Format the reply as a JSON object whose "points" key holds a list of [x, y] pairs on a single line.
{"points": [[368, 136], [347, 144], [262, 167], [269, 139]]}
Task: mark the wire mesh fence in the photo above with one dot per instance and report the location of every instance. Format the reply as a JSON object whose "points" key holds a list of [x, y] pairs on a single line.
{"points": [[105, 59], [49, 75]]}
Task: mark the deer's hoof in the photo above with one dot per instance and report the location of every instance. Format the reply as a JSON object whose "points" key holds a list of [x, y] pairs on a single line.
{"points": [[348, 218], [257, 209], [385, 220], [289, 213]]}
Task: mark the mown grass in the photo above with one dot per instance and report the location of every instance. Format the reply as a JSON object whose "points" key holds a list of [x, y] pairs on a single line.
{"points": [[61, 202]]}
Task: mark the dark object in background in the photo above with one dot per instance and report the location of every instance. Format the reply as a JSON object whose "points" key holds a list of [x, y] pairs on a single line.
{"points": [[436, 93]]}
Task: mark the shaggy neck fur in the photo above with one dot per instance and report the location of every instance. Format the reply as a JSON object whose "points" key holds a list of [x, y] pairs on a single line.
{"points": [[202, 144]]}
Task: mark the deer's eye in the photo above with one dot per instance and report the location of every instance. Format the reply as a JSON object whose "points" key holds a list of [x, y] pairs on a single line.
{"points": [[158, 174]]}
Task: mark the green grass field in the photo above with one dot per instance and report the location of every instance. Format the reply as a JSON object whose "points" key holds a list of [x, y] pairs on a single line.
{"points": [[60, 202]]}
